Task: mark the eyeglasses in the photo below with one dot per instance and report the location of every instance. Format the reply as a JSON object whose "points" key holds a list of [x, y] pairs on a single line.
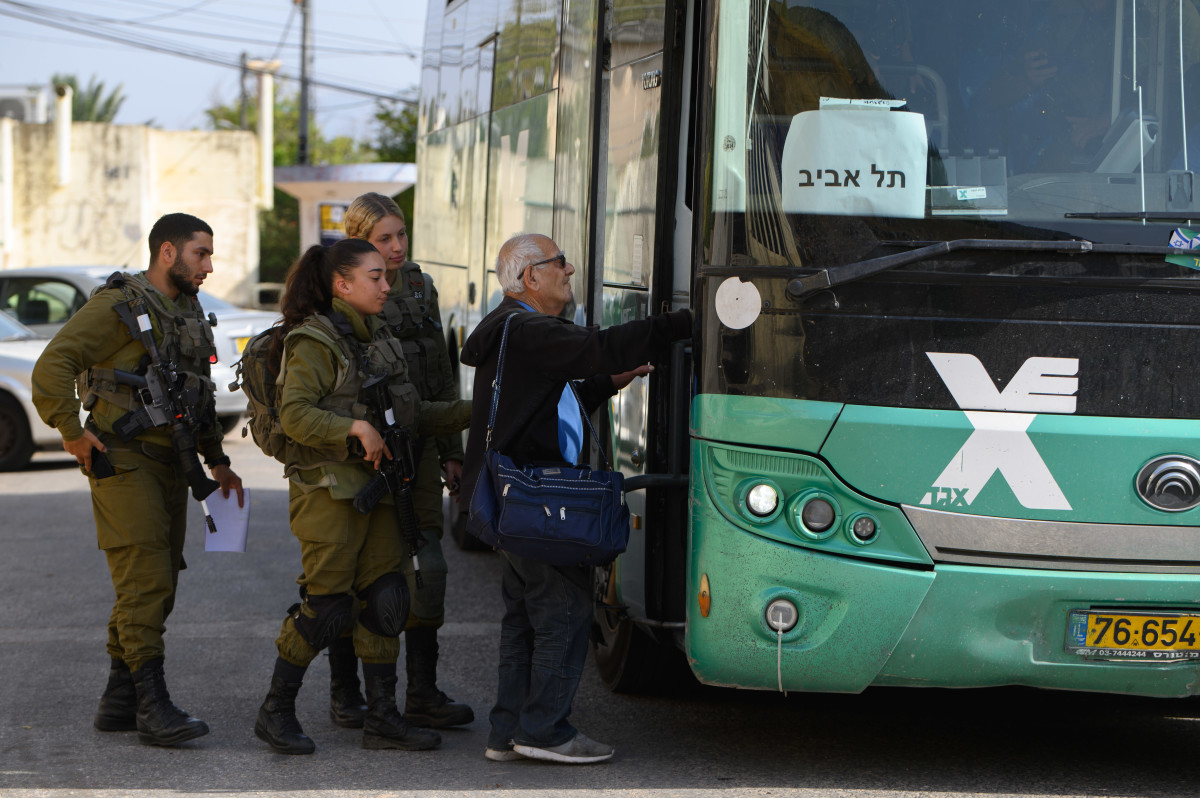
{"points": [[559, 257]]}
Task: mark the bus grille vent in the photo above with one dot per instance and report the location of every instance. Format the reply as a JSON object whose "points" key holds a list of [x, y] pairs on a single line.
{"points": [[770, 464]]}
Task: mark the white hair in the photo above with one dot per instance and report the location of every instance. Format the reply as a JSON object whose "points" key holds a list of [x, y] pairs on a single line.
{"points": [[515, 255]]}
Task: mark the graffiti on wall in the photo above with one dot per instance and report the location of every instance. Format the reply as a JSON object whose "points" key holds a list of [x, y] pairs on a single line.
{"points": [[100, 225]]}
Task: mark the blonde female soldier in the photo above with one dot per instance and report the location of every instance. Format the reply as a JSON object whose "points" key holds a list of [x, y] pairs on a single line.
{"points": [[333, 349]]}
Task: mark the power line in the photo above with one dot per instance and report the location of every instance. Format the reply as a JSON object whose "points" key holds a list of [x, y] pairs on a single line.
{"points": [[379, 13], [283, 38], [229, 63], [281, 44], [345, 106], [320, 48], [172, 13], [222, 18], [51, 39], [76, 18], [81, 18]]}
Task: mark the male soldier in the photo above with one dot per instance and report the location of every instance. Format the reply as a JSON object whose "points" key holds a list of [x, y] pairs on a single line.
{"points": [[412, 314], [139, 488]]}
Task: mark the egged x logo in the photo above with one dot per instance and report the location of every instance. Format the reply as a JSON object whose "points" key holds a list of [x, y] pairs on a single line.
{"points": [[999, 442]]}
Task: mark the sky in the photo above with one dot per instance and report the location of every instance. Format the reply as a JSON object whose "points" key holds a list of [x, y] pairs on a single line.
{"points": [[369, 45]]}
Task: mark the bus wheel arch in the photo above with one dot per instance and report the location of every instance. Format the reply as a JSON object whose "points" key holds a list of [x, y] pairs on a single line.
{"points": [[630, 659]]}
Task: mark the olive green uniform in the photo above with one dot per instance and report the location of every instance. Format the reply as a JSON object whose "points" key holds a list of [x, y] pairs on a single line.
{"points": [[412, 313], [343, 551], [141, 510]]}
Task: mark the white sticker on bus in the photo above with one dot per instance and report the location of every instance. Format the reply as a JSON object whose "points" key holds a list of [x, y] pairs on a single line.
{"points": [[999, 441], [738, 304]]}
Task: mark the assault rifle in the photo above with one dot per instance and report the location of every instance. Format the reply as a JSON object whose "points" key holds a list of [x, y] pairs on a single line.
{"points": [[165, 403], [395, 476]]}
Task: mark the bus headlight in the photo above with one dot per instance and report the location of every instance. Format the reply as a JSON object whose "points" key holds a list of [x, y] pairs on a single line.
{"points": [[762, 500], [863, 529], [818, 515], [814, 514]]}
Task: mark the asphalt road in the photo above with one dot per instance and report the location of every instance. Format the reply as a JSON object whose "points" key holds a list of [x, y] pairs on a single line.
{"points": [[55, 598]]}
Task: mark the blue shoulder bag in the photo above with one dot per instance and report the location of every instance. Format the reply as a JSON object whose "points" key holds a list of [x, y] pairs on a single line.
{"points": [[559, 515]]}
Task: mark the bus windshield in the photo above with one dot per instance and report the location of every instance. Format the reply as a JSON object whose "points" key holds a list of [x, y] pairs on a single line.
{"points": [[855, 124]]}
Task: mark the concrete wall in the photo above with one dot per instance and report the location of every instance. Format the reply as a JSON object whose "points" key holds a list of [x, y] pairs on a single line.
{"points": [[123, 178]]}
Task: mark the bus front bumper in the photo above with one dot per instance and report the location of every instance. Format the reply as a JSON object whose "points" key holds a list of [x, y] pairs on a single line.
{"points": [[864, 623]]}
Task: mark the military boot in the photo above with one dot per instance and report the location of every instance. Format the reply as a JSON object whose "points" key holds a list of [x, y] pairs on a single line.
{"points": [[277, 725], [384, 726], [118, 705], [159, 722], [347, 707], [425, 704]]}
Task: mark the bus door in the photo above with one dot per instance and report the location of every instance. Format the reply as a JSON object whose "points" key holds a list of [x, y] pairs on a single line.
{"points": [[639, 160]]}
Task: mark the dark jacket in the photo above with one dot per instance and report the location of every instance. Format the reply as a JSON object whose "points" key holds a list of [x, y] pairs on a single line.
{"points": [[543, 353]]}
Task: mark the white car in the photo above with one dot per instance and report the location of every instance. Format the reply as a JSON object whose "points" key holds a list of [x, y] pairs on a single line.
{"points": [[43, 298], [21, 431]]}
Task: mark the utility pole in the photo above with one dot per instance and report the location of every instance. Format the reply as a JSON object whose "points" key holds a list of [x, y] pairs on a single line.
{"points": [[242, 95], [266, 131], [305, 74]]}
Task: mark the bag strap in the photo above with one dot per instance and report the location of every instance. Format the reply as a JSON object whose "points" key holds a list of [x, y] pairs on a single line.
{"points": [[496, 382], [587, 420], [496, 398]]}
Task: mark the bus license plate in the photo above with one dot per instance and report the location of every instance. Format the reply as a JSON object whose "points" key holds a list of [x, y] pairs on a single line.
{"points": [[1151, 636], [241, 344]]}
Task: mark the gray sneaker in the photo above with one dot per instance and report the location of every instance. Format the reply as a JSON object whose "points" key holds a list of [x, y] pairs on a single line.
{"points": [[579, 750], [502, 755]]}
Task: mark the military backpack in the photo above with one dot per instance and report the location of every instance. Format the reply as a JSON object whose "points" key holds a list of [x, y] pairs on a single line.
{"points": [[257, 376]]}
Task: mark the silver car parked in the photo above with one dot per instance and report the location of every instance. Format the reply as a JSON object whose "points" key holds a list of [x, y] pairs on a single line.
{"points": [[21, 431]]}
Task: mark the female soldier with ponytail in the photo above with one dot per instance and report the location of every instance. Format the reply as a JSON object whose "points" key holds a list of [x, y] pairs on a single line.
{"points": [[412, 314], [332, 345]]}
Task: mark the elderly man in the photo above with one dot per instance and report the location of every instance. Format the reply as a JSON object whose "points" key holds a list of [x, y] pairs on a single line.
{"points": [[548, 609]]}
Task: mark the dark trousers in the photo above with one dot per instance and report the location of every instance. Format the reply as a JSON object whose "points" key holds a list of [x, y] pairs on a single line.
{"points": [[429, 603], [543, 645]]}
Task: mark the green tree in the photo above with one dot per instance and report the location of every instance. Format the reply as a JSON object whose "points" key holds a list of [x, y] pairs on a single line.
{"points": [[278, 238], [322, 151], [279, 229], [395, 132], [396, 142], [91, 104]]}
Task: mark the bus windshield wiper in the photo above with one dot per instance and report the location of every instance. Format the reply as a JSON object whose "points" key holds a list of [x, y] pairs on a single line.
{"points": [[849, 272], [1160, 216]]}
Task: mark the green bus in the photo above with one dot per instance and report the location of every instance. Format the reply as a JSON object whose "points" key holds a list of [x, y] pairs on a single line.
{"points": [[938, 424]]}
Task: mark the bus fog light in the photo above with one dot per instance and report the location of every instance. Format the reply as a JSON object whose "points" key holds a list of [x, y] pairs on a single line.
{"points": [[762, 500], [781, 615], [864, 528], [818, 515]]}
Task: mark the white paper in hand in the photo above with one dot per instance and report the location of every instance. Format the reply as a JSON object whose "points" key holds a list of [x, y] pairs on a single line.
{"points": [[231, 522]]}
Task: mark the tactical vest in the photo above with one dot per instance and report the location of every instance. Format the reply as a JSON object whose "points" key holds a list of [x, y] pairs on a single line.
{"points": [[357, 362], [409, 313], [183, 337]]}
